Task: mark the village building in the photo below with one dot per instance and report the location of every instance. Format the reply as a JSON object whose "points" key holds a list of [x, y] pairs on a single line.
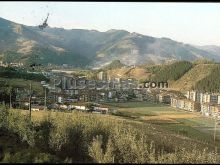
{"points": [[214, 99], [102, 110], [37, 107], [193, 95], [210, 109], [164, 98], [205, 98], [206, 109], [185, 104], [218, 99]]}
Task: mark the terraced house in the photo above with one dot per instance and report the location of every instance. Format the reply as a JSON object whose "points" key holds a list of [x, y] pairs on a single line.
{"points": [[185, 104], [207, 103], [210, 109]]}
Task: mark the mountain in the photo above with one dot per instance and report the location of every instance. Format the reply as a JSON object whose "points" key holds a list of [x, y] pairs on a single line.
{"points": [[90, 48], [211, 48], [25, 44]]}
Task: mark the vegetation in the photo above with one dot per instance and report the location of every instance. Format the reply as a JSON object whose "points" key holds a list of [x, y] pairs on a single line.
{"points": [[166, 118], [189, 80], [22, 74], [80, 137], [203, 61], [169, 72], [211, 82], [11, 56], [114, 65]]}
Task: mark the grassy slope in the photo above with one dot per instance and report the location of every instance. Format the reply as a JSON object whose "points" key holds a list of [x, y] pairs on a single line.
{"points": [[137, 73], [168, 136], [180, 132], [198, 128], [159, 134]]}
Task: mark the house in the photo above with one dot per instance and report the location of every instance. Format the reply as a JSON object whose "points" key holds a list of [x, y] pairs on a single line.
{"points": [[16, 64], [71, 107], [215, 110], [209, 98], [193, 95], [214, 99], [63, 107], [210, 109], [70, 100], [206, 109], [173, 102], [191, 105], [164, 98], [60, 99], [139, 97], [102, 110], [205, 98], [218, 99], [78, 107], [185, 104], [37, 107], [177, 102], [102, 75]]}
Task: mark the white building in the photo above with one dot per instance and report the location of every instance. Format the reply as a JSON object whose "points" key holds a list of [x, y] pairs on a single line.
{"points": [[102, 75], [205, 98], [60, 99], [218, 99]]}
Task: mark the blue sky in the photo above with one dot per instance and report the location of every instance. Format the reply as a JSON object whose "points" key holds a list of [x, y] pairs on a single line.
{"points": [[194, 23]]}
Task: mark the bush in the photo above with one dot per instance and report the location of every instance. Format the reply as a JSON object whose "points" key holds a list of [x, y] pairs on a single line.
{"points": [[79, 137]]}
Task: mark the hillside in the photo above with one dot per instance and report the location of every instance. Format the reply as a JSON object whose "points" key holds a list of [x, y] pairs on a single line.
{"points": [[90, 48], [211, 82], [24, 44], [192, 77], [94, 138], [169, 72], [166, 72], [113, 65], [128, 72], [201, 75], [211, 48]]}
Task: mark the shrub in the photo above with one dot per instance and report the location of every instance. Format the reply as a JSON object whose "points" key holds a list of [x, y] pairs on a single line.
{"points": [[80, 137]]}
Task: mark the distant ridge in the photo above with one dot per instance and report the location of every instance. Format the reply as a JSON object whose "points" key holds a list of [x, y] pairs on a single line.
{"points": [[91, 48]]}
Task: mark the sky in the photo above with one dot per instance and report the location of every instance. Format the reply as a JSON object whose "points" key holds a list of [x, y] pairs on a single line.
{"points": [[192, 23]]}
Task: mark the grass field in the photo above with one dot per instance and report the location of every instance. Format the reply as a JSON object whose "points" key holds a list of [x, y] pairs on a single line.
{"points": [[182, 122]]}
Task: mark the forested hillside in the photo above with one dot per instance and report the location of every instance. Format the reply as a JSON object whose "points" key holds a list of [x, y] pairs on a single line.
{"points": [[169, 72], [210, 83]]}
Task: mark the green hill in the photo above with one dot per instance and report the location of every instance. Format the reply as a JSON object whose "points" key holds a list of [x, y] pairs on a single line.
{"points": [[211, 82], [170, 72], [197, 74]]}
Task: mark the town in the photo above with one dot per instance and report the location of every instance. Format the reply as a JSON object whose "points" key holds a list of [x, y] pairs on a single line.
{"points": [[69, 92]]}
